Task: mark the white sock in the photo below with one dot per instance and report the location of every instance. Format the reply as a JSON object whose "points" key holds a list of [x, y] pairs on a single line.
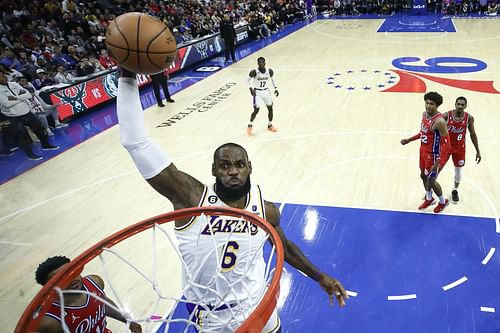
{"points": [[441, 199], [428, 195]]}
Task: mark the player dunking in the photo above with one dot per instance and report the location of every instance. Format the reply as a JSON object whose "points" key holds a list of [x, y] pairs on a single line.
{"points": [[434, 147], [258, 81], [82, 312], [458, 122], [209, 278]]}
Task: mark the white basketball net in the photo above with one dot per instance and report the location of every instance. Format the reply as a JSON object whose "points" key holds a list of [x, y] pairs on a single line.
{"points": [[130, 274]]}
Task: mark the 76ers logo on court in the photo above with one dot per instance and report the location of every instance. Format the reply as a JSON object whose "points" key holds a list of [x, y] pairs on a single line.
{"points": [[412, 75]]}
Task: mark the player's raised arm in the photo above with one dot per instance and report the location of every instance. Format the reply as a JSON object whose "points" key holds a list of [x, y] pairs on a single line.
{"points": [[153, 163], [295, 257]]}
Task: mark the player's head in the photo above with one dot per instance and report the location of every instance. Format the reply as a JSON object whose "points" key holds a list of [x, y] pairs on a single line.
{"points": [[261, 62], [461, 103], [231, 169], [47, 269], [432, 101]]}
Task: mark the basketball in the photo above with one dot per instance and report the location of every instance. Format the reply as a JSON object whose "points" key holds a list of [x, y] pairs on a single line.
{"points": [[141, 43]]}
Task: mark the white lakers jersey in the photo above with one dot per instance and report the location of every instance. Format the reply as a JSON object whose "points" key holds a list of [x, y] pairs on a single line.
{"points": [[223, 255], [262, 80]]}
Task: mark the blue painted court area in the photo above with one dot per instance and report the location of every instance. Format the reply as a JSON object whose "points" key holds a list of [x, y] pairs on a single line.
{"points": [[411, 23], [377, 254]]}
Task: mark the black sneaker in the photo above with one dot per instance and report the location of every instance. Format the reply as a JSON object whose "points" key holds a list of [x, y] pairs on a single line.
{"points": [[50, 147], [161, 105], [170, 100], [34, 157], [454, 196]]}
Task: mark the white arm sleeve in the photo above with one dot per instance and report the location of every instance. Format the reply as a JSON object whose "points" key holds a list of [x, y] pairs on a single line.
{"points": [[147, 155]]}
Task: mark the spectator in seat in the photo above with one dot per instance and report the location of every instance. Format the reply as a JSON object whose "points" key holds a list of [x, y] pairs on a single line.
{"points": [[492, 9], [85, 67], [105, 60], [63, 59], [63, 76], [43, 79]]}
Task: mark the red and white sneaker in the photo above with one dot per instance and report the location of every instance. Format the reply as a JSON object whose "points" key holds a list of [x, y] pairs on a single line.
{"points": [[427, 203], [439, 208]]}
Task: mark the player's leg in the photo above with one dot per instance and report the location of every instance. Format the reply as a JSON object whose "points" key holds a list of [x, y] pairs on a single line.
{"points": [[439, 192], [256, 107], [438, 189], [458, 162], [268, 100], [270, 126], [425, 166], [252, 118]]}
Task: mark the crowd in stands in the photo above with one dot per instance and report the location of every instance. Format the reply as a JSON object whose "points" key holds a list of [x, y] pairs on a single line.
{"points": [[44, 43], [53, 41], [389, 7]]}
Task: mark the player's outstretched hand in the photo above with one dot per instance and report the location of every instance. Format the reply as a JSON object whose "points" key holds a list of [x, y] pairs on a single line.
{"points": [[135, 328], [276, 93], [478, 157], [333, 287], [404, 141]]}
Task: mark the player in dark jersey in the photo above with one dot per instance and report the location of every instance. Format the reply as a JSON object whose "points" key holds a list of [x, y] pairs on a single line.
{"points": [[434, 148], [83, 313], [458, 121]]}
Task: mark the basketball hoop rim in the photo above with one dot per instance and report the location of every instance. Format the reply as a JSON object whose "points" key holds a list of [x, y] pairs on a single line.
{"points": [[42, 300]]}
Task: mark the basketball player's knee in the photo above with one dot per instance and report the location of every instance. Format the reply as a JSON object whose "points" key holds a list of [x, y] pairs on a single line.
{"points": [[458, 174]]}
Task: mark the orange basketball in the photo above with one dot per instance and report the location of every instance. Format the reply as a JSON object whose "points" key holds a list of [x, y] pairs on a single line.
{"points": [[141, 43]]}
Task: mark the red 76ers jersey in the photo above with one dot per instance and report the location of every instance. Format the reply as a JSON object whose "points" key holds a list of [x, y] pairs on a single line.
{"points": [[457, 130], [430, 139], [87, 318]]}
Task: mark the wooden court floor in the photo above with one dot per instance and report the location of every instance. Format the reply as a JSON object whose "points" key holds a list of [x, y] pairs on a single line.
{"points": [[336, 146]]}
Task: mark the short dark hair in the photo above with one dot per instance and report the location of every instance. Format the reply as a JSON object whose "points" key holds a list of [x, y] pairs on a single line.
{"points": [[48, 266], [230, 144], [259, 58], [461, 98], [435, 97]]}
